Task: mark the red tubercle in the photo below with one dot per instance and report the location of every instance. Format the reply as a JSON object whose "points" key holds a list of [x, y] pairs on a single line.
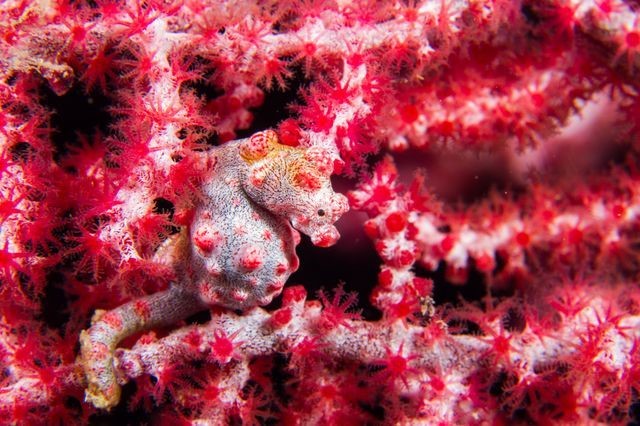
{"points": [[275, 286], [239, 296], [575, 236], [309, 49], [142, 309], [100, 351], [412, 231], [447, 244], [205, 239], [410, 14], [325, 240], [320, 159], [409, 113], [400, 310], [251, 257], [422, 286], [548, 215], [446, 128], [258, 145], [396, 221], [537, 99], [405, 258], [485, 263], [395, 256], [313, 304], [289, 132], [113, 320], [381, 247], [523, 239], [385, 278], [281, 268], [632, 39], [307, 180], [371, 229], [293, 294], [281, 317], [436, 383], [234, 103], [148, 338], [338, 166]]}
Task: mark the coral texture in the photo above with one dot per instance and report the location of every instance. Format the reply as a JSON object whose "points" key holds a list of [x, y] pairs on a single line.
{"points": [[157, 158]]}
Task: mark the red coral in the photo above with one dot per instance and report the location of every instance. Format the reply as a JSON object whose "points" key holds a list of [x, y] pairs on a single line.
{"points": [[488, 148], [334, 312]]}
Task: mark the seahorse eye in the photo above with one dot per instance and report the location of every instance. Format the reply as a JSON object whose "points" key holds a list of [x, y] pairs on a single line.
{"points": [[320, 212]]}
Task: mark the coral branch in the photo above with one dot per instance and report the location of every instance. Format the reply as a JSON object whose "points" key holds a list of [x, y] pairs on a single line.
{"points": [[161, 158]]}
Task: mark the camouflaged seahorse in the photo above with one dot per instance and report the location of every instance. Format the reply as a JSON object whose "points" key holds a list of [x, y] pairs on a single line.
{"points": [[238, 251]]}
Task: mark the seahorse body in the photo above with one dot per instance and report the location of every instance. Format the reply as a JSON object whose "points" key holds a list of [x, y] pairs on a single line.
{"points": [[239, 250]]}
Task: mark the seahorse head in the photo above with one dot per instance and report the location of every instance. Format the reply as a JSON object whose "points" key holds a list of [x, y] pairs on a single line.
{"points": [[294, 182]]}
